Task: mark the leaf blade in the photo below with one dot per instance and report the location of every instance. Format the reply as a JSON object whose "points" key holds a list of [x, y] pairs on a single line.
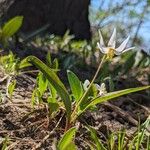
{"points": [[66, 139], [113, 95], [12, 26], [75, 85], [54, 80], [97, 141]]}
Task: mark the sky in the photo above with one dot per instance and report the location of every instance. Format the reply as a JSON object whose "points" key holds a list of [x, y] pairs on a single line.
{"points": [[144, 31], [95, 3]]}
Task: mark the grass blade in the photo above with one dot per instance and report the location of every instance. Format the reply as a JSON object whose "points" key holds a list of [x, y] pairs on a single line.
{"points": [[97, 141]]}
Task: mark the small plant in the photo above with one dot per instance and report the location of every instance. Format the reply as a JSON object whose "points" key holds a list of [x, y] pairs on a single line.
{"points": [[119, 141], [5, 142], [82, 99], [42, 85], [11, 67], [9, 29]]}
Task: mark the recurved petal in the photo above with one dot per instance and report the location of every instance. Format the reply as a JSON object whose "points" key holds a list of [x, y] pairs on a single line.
{"points": [[100, 47], [101, 38], [103, 86], [112, 41], [97, 86], [119, 53], [123, 45]]}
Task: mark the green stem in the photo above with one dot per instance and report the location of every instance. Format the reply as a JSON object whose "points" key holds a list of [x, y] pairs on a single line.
{"points": [[73, 116]]}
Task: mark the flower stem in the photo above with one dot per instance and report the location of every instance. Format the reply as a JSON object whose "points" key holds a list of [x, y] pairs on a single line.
{"points": [[74, 115]]}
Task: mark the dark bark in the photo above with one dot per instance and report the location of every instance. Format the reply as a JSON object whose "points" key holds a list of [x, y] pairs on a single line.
{"points": [[59, 14]]}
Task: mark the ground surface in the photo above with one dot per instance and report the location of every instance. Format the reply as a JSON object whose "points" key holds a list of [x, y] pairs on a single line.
{"points": [[27, 128]]}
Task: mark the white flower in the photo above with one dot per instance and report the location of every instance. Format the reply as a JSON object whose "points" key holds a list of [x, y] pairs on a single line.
{"points": [[86, 84], [101, 88], [110, 50]]}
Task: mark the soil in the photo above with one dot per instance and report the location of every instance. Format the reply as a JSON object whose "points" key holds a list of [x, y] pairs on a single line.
{"points": [[28, 128]]}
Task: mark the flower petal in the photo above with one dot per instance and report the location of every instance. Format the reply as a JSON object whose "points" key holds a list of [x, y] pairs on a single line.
{"points": [[106, 50], [112, 41], [119, 53], [123, 45], [101, 38], [97, 86], [103, 86], [100, 47], [86, 84], [102, 89]]}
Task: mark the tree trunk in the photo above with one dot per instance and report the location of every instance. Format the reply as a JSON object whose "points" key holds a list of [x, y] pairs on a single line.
{"points": [[60, 15]]}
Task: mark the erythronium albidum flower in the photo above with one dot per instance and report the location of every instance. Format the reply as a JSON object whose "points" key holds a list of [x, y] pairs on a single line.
{"points": [[110, 50], [101, 88]]}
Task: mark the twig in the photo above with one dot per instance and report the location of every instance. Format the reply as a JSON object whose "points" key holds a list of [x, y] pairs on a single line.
{"points": [[12, 145], [48, 135], [143, 107], [123, 114]]}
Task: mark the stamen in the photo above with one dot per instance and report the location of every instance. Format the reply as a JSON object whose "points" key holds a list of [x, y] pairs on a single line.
{"points": [[110, 53]]}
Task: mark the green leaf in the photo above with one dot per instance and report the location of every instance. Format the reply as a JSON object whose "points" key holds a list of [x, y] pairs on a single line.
{"points": [[42, 83], [5, 143], [11, 27], [75, 85], [53, 105], [112, 95], [48, 59], [53, 92], [54, 80], [52, 101], [121, 139], [71, 146], [34, 97], [99, 145], [148, 141], [11, 88], [55, 64], [67, 140], [24, 63], [111, 141]]}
